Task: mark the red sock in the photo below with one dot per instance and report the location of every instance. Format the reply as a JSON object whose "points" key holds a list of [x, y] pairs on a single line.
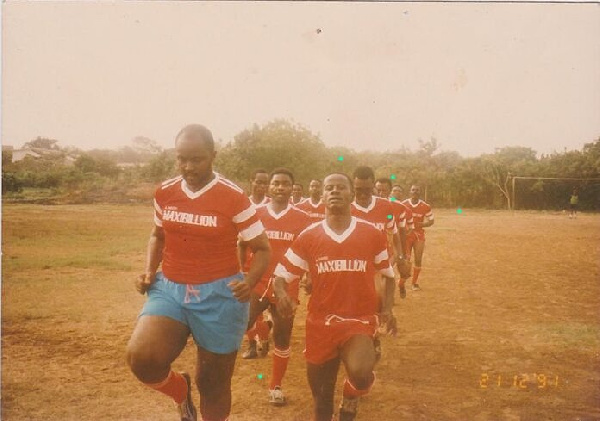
{"points": [[280, 363], [174, 386], [416, 271], [351, 391]]}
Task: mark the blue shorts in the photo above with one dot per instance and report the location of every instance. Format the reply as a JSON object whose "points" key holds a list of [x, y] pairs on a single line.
{"points": [[216, 319]]}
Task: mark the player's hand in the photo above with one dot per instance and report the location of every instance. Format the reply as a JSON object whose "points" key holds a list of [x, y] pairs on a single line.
{"points": [[404, 267], [144, 281], [241, 290], [286, 307]]}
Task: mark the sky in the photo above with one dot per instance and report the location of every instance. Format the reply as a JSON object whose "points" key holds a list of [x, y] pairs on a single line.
{"points": [[368, 76]]}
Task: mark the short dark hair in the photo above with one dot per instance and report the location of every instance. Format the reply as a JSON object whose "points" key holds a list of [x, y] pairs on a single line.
{"points": [[350, 182], [281, 170], [398, 185], [384, 181], [317, 180], [198, 132], [299, 184], [259, 171], [364, 173]]}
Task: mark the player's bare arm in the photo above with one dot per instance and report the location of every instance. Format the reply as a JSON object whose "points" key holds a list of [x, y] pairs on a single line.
{"points": [[153, 259], [387, 299], [285, 305], [262, 253]]}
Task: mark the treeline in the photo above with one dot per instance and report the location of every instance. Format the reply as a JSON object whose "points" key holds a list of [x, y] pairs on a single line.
{"points": [[490, 181]]}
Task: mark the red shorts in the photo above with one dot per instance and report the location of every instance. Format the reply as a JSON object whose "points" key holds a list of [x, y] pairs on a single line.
{"points": [[264, 289], [326, 334], [411, 239]]}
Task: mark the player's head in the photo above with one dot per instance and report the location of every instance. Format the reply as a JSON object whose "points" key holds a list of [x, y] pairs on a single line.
{"points": [[281, 181], [195, 153], [260, 181], [383, 186], [315, 189], [415, 191], [364, 182], [297, 192], [397, 192], [338, 193]]}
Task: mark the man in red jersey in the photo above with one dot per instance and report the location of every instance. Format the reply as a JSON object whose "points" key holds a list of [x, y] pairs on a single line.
{"points": [[404, 222], [283, 222], [379, 212], [313, 206], [259, 185], [342, 254], [297, 194], [415, 241], [200, 290]]}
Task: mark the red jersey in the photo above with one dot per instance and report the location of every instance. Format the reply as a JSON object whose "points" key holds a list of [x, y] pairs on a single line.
{"points": [[265, 200], [281, 229], [421, 212], [403, 215], [316, 212], [342, 268], [380, 213], [201, 228]]}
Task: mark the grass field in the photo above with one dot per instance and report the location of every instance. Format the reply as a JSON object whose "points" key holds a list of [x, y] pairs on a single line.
{"points": [[507, 326]]}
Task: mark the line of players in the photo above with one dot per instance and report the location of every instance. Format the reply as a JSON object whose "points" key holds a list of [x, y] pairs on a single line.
{"points": [[285, 214]]}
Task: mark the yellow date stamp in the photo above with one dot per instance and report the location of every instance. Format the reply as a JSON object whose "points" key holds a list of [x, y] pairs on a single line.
{"points": [[521, 381]]}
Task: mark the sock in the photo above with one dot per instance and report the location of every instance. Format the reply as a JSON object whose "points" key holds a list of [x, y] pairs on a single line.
{"points": [[280, 363], [350, 391], [416, 271], [402, 282], [174, 386]]}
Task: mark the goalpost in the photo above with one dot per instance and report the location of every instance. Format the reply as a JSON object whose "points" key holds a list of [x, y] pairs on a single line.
{"points": [[584, 181]]}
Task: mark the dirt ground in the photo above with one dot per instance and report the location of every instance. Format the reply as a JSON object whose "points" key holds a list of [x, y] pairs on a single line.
{"points": [[507, 326]]}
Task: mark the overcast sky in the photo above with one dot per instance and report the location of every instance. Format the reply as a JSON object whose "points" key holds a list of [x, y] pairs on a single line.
{"points": [[377, 76]]}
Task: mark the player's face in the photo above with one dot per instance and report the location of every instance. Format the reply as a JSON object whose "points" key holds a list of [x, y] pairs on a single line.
{"points": [[297, 192], [337, 194], [415, 192], [397, 193], [363, 190], [280, 188], [314, 189], [383, 189], [260, 183], [194, 161]]}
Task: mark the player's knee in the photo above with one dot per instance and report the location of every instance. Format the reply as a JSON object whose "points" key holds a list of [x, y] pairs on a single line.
{"points": [[144, 363]]}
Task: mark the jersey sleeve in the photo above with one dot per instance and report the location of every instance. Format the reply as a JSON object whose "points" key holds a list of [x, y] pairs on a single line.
{"points": [[158, 210], [390, 226], [410, 224], [293, 264], [246, 220], [382, 258], [429, 213]]}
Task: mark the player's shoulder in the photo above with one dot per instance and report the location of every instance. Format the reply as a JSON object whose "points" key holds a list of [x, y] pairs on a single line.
{"points": [[170, 183], [314, 229], [228, 185], [365, 226]]}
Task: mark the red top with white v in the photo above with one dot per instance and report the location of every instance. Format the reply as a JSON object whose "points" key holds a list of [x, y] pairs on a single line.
{"points": [[380, 213], [420, 211], [316, 212], [281, 229], [342, 267], [201, 228]]}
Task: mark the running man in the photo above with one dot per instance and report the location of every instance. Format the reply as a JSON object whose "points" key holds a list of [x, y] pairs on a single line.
{"points": [[404, 223], [379, 212], [259, 183], [200, 289], [342, 254], [415, 241], [313, 206], [283, 222]]}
